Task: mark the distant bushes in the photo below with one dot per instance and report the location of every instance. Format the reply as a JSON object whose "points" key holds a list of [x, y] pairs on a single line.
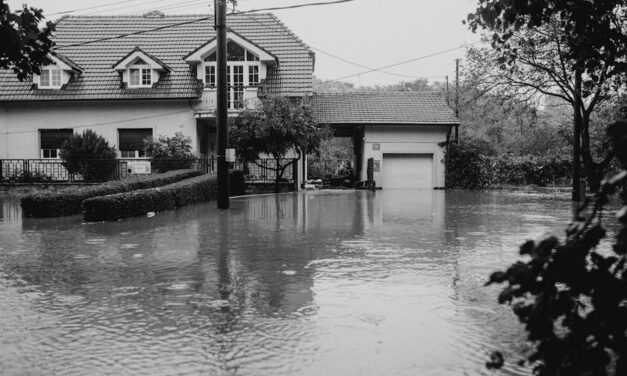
{"points": [[68, 202], [472, 164], [140, 202]]}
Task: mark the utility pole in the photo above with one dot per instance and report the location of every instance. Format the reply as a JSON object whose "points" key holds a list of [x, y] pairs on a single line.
{"points": [[456, 97], [222, 110], [576, 194]]}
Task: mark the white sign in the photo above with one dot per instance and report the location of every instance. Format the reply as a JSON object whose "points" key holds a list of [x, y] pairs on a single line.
{"points": [[138, 167], [230, 155]]}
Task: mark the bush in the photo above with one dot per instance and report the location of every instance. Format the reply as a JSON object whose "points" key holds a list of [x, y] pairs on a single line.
{"points": [[90, 155], [237, 184], [68, 202], [137, 203], [169, 153]]}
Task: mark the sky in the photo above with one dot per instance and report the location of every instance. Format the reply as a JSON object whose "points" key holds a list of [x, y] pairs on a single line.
{"points": [[370, 33]]}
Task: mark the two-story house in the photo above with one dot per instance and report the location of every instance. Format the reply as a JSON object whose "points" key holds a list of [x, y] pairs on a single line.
{"points": [[131, 77]]}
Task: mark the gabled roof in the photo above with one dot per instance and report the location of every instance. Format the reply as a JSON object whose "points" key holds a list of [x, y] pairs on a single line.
{"points": [[387, 107], [67, 61], [198, 54], [155, 36], [138, 53]]}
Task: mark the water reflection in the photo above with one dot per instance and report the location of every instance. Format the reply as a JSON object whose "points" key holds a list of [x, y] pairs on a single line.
{"points": [[351, 283]]}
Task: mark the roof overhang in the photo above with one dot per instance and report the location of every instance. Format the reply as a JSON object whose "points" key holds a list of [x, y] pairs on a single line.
{"points": [[197, 56], [64, 62], [139, 54]]}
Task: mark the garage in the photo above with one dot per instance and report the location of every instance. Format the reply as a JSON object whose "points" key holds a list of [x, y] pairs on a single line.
{"points": [[407, 171]]}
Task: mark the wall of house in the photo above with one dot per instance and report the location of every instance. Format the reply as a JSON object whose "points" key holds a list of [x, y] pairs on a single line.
{"points": [[20, 122], [405, 139]]}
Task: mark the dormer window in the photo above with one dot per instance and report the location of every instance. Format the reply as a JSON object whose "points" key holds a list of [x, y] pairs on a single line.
{"points": [[58, 73], [51, 78], [138, 69]]}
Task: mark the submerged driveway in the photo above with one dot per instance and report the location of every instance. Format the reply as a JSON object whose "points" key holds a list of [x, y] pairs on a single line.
{"points": [[318, 282]]}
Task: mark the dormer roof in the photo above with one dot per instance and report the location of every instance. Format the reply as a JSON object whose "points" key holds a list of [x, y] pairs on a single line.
{"points": [[64, 62], [198, 55], [137, 55]]}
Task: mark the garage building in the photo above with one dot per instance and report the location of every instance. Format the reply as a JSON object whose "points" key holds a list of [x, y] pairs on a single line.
{"points": [[405, 134]]}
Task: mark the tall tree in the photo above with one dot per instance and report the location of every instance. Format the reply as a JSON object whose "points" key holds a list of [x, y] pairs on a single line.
{"points": [[572, 49], [23, 45], [277, 127]]}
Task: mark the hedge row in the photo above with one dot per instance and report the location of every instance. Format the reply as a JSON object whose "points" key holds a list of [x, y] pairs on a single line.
{"points": [[140, 202], [68, 202], [470, 167]]}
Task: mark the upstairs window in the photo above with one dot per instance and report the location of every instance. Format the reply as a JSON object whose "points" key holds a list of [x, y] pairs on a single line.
{"points": [[50, 141], [140, 77], [51, 78], [131, 142], [210, 76]]}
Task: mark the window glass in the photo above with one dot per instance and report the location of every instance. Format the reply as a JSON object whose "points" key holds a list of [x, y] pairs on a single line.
{"points": [[134, 81], [251, 56], [55, 78], [211, 57], [131, 141], [146, 77], [44, 79], [51, 141], [253, 75], [238, 86], [210, 76], [235, 52]]}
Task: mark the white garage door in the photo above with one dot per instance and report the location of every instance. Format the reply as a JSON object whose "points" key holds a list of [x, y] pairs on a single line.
{"points": [[407, 171]]}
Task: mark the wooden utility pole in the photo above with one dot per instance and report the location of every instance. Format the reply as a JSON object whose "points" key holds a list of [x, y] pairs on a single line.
{"points": [[576, 194], [222, 110], [456, 97]]}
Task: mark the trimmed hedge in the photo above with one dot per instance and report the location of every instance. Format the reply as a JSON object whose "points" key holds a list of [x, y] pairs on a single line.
{"points": [[68, 202], [140, 202]]}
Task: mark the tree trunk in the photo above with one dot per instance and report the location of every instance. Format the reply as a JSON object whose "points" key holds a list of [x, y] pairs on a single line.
{"points": [[277, 176], [592, 170]]}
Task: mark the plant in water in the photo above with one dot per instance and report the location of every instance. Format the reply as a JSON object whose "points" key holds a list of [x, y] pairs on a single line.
{"points": [[90, 155], [571, 295]]}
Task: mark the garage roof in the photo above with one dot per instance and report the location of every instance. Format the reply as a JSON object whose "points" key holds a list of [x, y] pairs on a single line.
{"points": [[387, 107]]}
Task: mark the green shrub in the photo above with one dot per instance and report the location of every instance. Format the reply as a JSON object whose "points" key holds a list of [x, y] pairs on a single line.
{"points": [[169, 153], [90, 155], [237, 184], [139, 202], [68, 202]]}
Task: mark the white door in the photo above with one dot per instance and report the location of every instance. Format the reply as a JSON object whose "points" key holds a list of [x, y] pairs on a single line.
{"points": [[407, 171]]}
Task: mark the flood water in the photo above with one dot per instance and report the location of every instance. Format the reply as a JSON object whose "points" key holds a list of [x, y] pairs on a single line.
{"points": [[313, 283]]}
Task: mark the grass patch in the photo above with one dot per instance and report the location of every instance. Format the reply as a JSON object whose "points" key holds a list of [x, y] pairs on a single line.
{"points": [[140, 202], [68, 201]]}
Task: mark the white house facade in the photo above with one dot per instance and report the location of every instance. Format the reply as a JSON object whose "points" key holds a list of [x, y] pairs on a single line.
{"points": [[128, 78]]}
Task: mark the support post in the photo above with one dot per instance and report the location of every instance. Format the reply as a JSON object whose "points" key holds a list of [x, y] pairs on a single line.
{"points": [[222, 110]]}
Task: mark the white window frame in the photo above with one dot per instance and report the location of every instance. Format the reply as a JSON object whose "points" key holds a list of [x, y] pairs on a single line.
{"points": [[56, 151], [128, 154], [142, 69], [246, 64], [51, 75]]}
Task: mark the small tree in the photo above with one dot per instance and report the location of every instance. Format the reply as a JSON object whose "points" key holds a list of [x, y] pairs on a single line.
{"points": [[23, 46], [90, 155], [277, 127], [169, 153]]}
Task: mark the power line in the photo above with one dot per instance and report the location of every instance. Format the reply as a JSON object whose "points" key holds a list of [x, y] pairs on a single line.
{"points": [[295, 6]]}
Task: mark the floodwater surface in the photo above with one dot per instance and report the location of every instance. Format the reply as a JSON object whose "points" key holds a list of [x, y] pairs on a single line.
{"points": [[311, 283]]}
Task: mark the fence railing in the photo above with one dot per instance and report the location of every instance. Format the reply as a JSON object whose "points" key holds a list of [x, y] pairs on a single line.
{"points": [[54, 170]]}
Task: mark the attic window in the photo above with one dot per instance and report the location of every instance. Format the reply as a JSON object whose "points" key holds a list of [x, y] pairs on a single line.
{"points": [[51, 78], [140, 77]]}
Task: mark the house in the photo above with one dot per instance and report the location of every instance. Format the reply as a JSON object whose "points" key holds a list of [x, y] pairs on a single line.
{"points": [[131, 77], [404, 133]]}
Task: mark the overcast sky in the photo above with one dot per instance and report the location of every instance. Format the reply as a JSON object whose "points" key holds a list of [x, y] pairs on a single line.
{"points": [[372, 33]]}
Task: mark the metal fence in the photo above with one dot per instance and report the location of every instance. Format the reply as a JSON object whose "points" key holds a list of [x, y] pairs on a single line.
{"points": [[54, 170]]}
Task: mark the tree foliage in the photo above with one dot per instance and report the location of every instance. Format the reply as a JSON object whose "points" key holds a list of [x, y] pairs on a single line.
{"points": [[277, 127], [23, 45], [169, 153], [90, 155], [571, 295]]}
